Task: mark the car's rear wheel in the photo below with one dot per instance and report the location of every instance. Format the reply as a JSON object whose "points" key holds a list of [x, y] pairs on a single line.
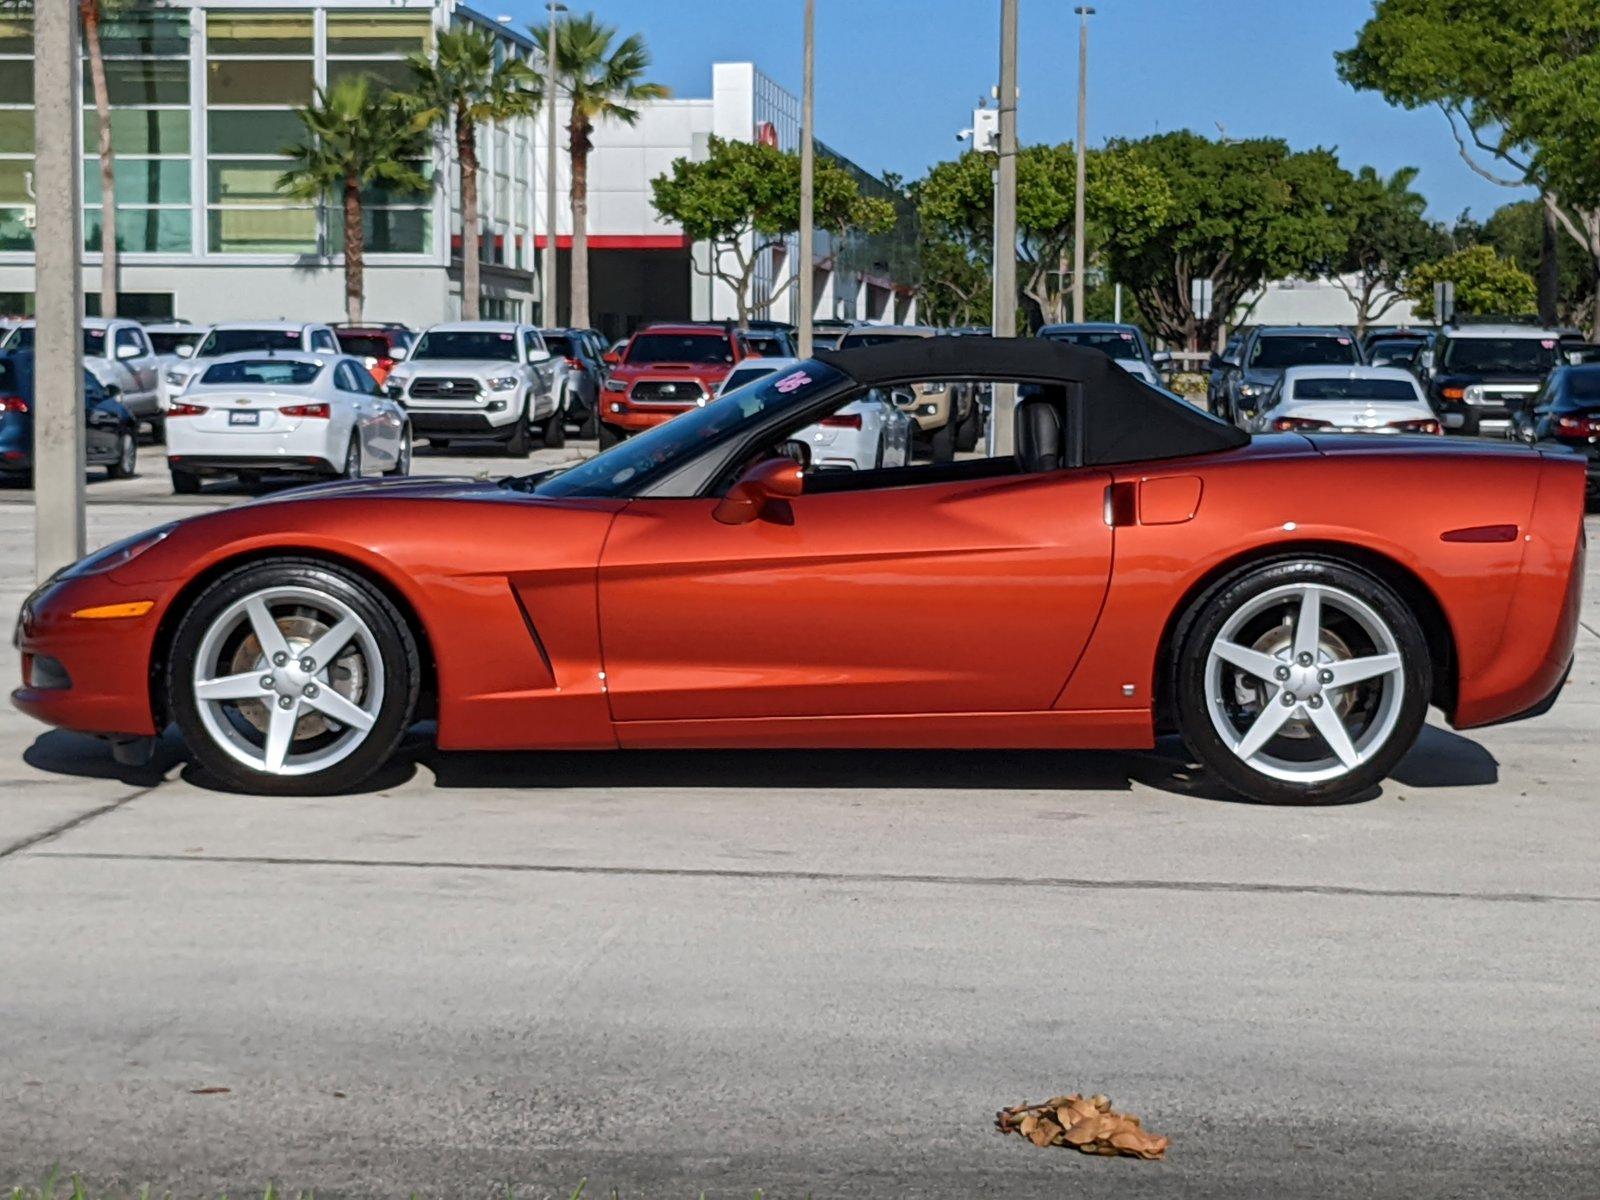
{"points": [[352, 459], [185, 483], [402, 462], [590, 425], [127, 457], [1301, 681], [292, 677]]}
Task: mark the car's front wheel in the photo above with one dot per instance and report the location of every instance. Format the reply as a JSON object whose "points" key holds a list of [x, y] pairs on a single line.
{"points": [[1301, 681], [292, 677]]}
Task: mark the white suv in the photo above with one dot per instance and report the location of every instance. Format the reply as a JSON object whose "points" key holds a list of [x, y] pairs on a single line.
{"points": [[240, 337], [480, 379]]}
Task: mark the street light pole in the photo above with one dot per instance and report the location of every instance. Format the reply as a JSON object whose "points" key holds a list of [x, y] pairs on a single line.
{"points": [[805, 298], [1003, 317], [549, 317], [1084, 13], [58, 458]]}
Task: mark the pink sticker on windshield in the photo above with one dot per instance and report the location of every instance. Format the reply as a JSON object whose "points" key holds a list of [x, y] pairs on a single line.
{"points": [[1548, 343], [1344, 341], [792, 382]]}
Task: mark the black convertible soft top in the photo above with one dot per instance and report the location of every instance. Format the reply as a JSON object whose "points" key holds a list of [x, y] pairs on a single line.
{"points": [[1124, 420]]}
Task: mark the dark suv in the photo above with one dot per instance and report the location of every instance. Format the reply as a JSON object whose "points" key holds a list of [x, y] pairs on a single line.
{"points": [[1566, 413], [1268, 351], [1477, 375]]}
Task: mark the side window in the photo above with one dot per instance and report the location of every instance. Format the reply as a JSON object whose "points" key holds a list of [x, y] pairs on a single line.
{"points": [[91, 387], [321, 339], [127, 337], [365, 383], [532, 344], [344, 379]]}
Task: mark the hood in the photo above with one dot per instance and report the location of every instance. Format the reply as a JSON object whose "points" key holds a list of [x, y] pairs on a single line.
{"points": [[487, 369], [414, 487], [706, 373], [1263, 376], [1467, 378]]}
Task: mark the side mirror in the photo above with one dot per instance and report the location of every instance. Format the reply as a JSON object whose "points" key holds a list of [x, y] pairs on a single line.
{"points": [[398, 353], [612, 358], [184, 350], [538, 356], [769, 480], [1163, 358], [125, 352]]}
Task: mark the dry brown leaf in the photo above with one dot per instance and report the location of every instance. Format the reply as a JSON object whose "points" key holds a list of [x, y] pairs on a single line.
{"points": [[1090, 1126], [1044, 1132]]}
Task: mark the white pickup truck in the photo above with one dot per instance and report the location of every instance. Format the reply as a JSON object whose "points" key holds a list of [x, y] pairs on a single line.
{"points": [[480, 380], [117, 351]]}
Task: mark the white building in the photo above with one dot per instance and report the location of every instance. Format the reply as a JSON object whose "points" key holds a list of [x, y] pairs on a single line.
{"points": [[1315, 302], [203, 93]]}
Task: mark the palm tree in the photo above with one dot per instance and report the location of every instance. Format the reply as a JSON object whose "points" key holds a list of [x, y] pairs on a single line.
{"points": [[463, 84], [603, 83], [357, 137], [92, 13]]}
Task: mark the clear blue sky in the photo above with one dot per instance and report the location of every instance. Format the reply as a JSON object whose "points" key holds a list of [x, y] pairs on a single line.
{"points": [[897, 78]]}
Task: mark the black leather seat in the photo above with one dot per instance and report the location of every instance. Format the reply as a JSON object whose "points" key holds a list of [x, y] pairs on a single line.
{"points": [[1041, 440]]}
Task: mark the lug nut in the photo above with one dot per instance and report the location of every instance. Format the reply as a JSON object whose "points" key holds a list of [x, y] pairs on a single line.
{"points": [[1288, 700], [1325, 676], [285, 701], [280, 659], [266, 683], [309, 691], [1282, 673], [1305, 659], [308, 664]]}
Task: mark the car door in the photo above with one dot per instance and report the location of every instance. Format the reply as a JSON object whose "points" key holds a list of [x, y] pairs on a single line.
{"points": [[968, 596], [385, 420], [102, 426], [356, 403]]}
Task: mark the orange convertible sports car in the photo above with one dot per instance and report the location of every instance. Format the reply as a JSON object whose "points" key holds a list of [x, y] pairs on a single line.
{"points": [[1291, 604]]}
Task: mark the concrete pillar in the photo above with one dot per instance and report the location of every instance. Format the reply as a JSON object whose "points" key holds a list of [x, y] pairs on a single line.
{"points": [[58, 425]]}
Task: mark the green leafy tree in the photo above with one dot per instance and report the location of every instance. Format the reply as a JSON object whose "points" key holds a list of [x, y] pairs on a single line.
{"points": [[357, 137], [1486, 284], [1518, 232], [1391, 237], [1518, 80], [603, 82], [1125, 198], [744, 199], [464, 84], [955, 283], [1242, 213]]}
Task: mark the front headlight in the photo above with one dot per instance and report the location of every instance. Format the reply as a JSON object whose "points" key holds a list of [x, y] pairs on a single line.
{"points": [[177, 378], [503, 384], [615, 385], [117, 554], [1251, 390], [1474, 391]]}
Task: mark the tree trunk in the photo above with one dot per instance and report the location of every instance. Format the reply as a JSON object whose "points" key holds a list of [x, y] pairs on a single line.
{"points": [[110, 258], [467, 156], [578, 301], [1549, 271], [355, 252]]}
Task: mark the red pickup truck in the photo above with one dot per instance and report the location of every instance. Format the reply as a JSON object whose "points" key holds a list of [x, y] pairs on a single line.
{"points": [[665, 370]]}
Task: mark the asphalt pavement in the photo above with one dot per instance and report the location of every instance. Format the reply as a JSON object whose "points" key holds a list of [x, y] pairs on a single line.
{"points": [[812, 974]]}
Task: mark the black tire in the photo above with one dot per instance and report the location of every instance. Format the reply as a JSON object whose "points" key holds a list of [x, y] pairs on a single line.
{"points": [[1205, 618], [185, 483], [589, 427], [969, 428], [402, 467], [127, 457], [943, 442], [553, 433], [521, 440], [158, 431], [398, 651], [609, 436], [352, 460]]}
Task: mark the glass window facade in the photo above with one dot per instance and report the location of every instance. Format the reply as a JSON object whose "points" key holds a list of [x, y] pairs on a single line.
{"points": [[16, 131]]}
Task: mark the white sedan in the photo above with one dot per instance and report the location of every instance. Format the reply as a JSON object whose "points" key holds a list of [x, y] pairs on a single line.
{"points": [[865, 434], [297, 413], [1339, 399]]}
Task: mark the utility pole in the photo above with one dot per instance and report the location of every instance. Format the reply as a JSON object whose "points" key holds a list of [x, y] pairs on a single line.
{"points": [[58, 459], [1003, 318], [805, 299], [550, 316], [1084, 13]]}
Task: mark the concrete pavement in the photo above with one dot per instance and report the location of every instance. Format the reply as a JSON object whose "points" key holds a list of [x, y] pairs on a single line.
{"points": [[805, 973]]}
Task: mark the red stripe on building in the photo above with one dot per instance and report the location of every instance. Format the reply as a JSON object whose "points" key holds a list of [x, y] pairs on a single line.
{"points": [[622, 241]]}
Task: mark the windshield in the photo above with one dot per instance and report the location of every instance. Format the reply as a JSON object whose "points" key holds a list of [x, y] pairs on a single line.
{"points": [[1354, 389], [168, 343], [240, 341], [1584, 387], [679, 348], [1383, 354], [270, 371], [560, 345], [663, 449], [867, 337], [365, 345], [483, 345], [1521, 356], [1289, 350], [1118, 343]]}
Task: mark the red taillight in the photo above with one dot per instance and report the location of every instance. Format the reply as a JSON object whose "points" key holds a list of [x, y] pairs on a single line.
{"points": [[1578, 426], [186, 410], [1290, 424], [1427, 425], [575, 364], [14, 404], [320, 412], [847, 421]]}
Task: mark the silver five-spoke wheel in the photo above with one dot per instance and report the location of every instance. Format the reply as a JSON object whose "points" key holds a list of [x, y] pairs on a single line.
{"points": [[288, 680]]}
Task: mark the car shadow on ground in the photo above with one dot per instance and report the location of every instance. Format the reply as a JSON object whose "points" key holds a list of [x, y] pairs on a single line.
{"points": [[1440, 759]]}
